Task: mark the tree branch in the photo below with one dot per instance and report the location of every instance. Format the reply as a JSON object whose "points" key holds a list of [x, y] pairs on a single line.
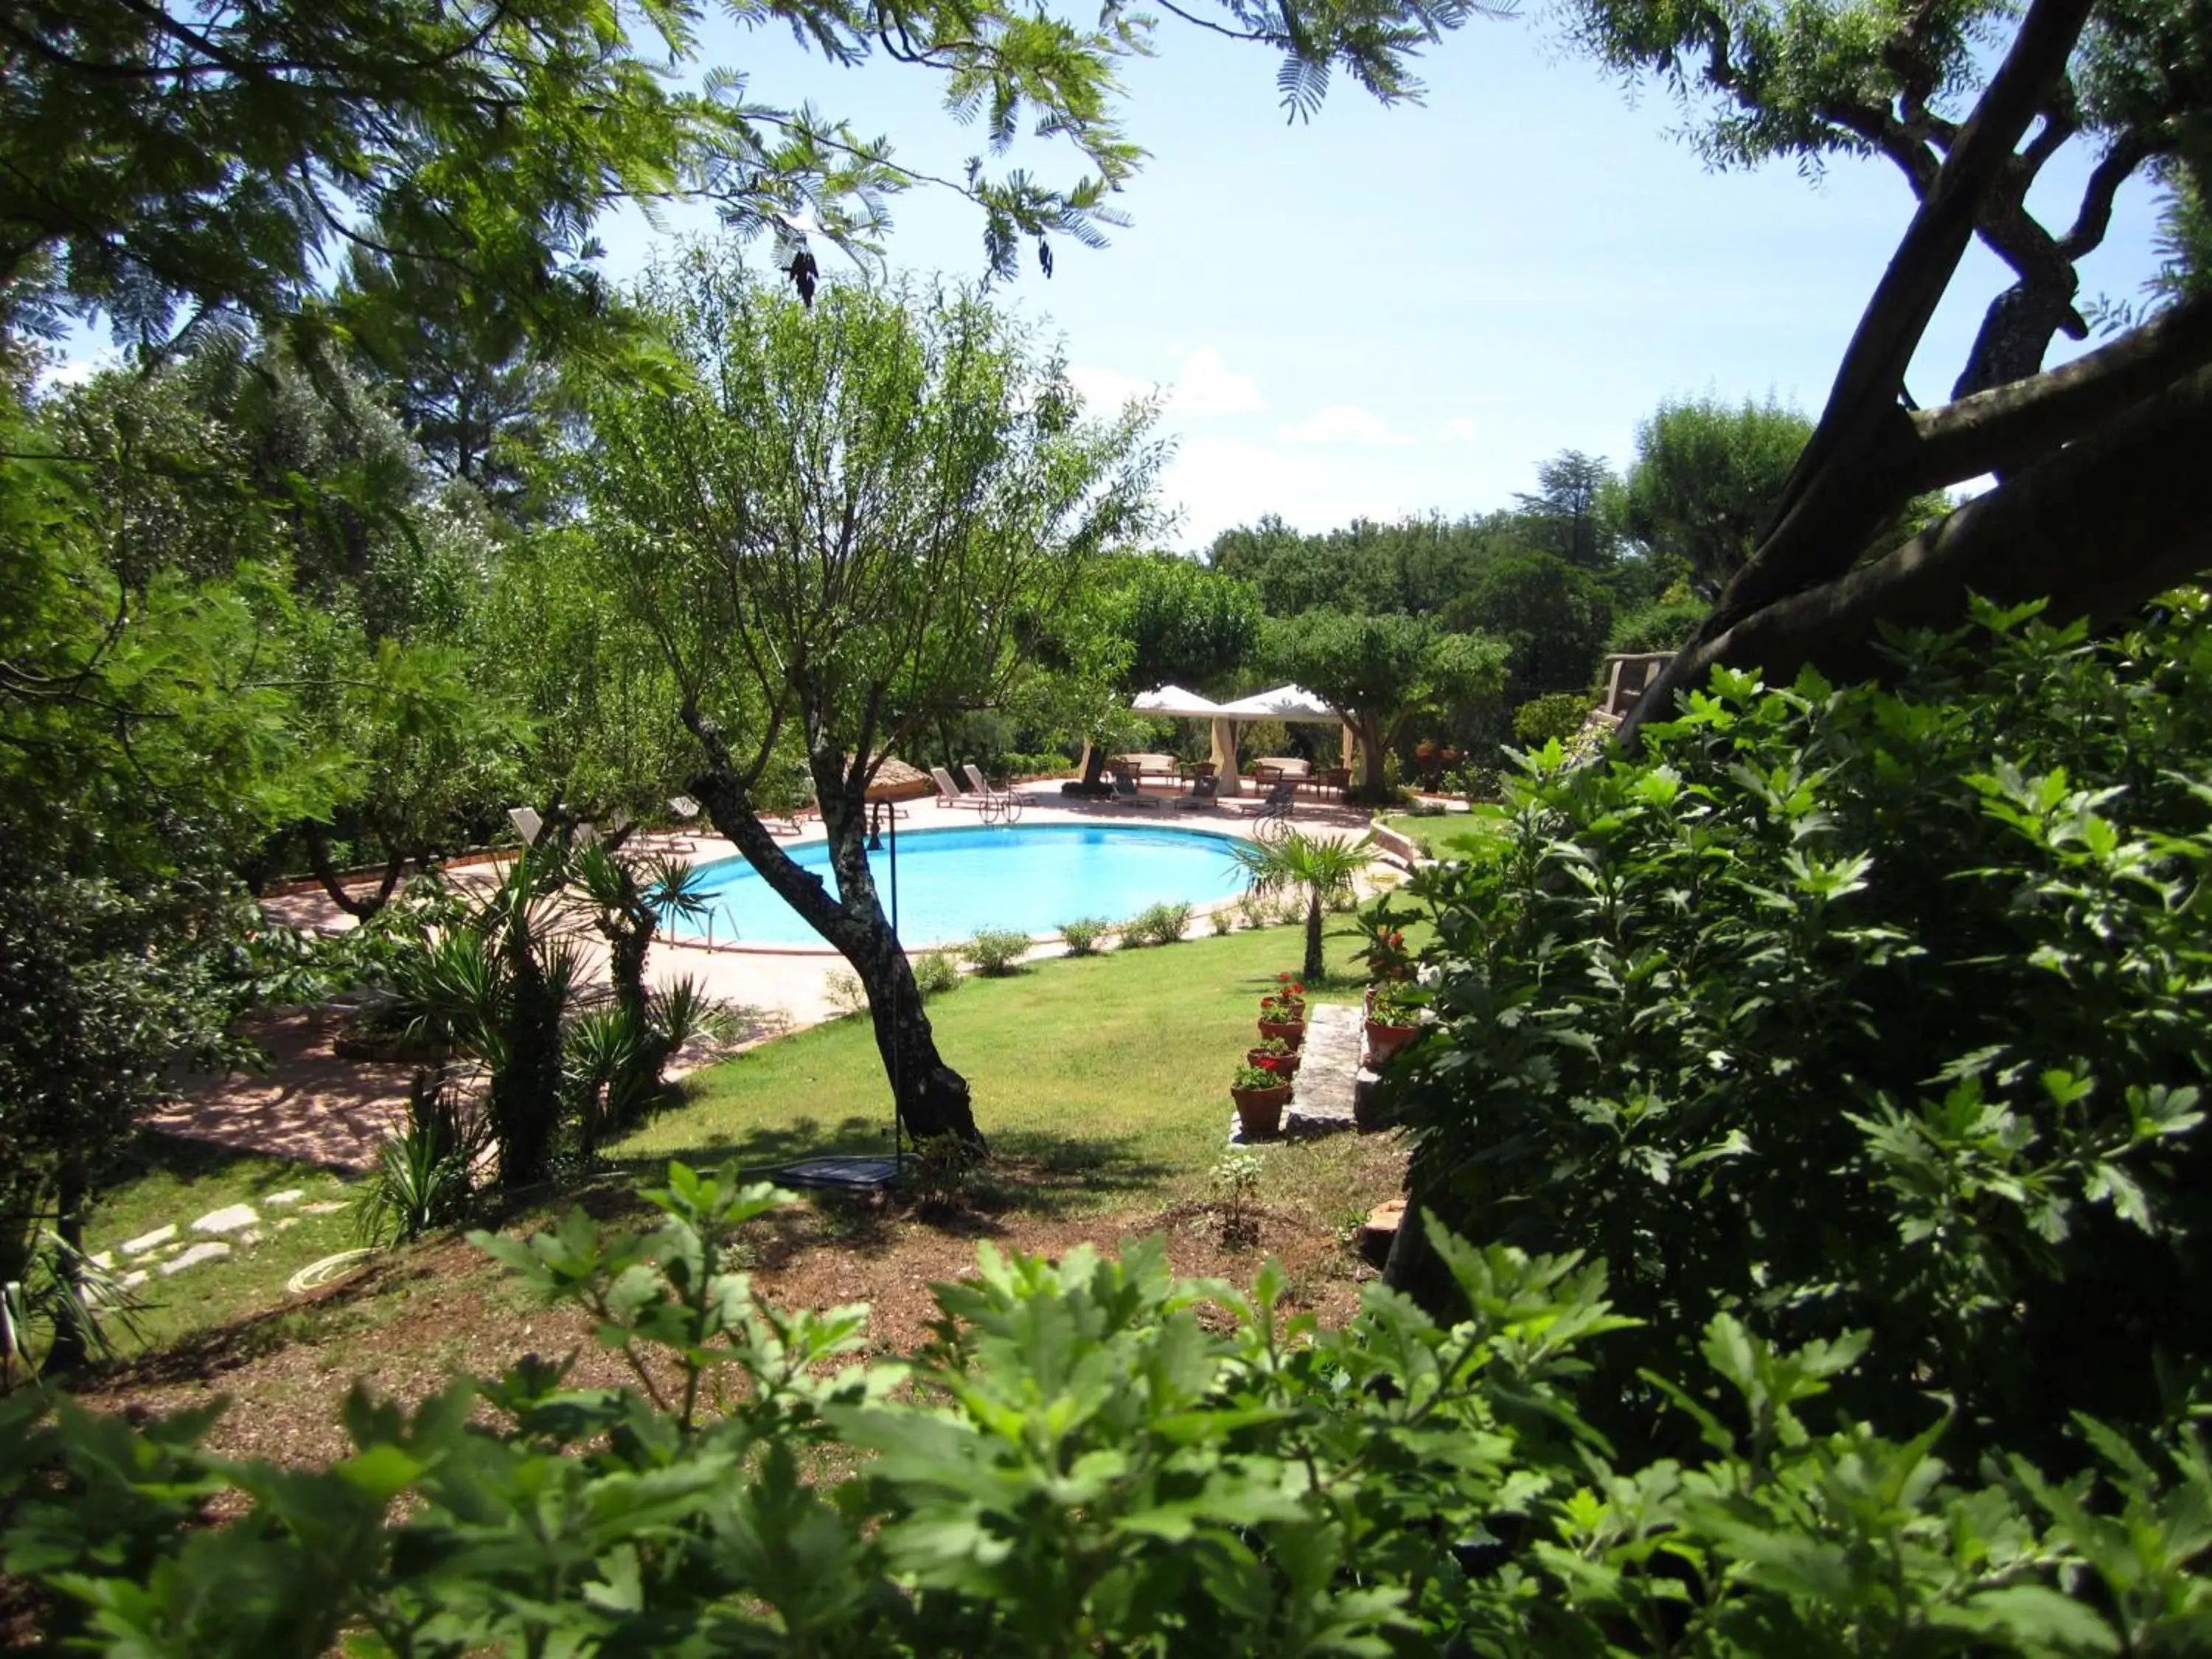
{"points": [[2009, 427]]}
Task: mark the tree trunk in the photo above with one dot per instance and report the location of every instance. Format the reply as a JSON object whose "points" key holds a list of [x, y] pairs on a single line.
{"points": [[931, 1098], [1315, 965], [361, 909], [1371, 751], [2097, 529]]}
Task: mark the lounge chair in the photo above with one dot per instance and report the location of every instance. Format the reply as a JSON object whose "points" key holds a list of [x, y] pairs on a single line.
{"points": [[1126, 790], [999, 803], [950, 794], [1272, 818], [1204, 791]]}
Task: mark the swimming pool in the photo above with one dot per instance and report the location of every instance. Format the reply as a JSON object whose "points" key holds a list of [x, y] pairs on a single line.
{"points": [[954, 882]]}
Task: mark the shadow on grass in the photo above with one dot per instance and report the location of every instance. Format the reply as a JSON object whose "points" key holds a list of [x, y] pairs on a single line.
{"points": [[152, 1153]]}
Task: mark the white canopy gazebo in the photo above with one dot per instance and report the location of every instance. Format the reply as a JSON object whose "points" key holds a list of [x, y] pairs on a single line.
{"points": [[1288, 703]]}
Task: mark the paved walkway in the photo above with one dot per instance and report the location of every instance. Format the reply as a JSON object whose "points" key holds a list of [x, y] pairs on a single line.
{"points": [[312, 1106]]}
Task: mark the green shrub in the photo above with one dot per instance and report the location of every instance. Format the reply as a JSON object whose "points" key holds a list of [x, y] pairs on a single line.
{"points": [[1561, 715], [1092, 1456], [936, 972], [996, 951], [843, 988], [1222, 919], [423, 1177], [1862, 1009], [1085, 935], [1662, 625], [1157, 924]]}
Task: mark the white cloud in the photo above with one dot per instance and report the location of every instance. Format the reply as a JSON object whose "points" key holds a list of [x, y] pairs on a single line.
{"points": [[1342, 424], [1462, 428], [1203, 386], [1214, 483], [76, 371]]}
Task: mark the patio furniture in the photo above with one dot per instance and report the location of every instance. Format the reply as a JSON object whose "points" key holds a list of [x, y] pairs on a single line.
{"points": [[998, 803], [1272, 818], [1125, 788], [1338, 778], [1196, 772], [1204, 791], [950, 794]]}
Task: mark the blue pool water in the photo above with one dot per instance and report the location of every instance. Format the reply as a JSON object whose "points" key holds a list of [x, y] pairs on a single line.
{"points": [[954, 882]]}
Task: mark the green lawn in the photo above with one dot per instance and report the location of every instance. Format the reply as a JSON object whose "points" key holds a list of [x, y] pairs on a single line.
{"points": [[1101, 1082], [1450, 834], [174, 1181]]}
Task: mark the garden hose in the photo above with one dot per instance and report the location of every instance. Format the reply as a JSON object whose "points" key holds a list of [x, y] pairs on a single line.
{"points": [[316, 1274]]}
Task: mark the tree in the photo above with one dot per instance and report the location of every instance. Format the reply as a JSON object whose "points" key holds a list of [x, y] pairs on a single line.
{"points": [[1381, 672], [847, 523], [2096, 455], [1553, 617], [1325, 868], [1567, 514], [1769, 78], [1704, 478]]}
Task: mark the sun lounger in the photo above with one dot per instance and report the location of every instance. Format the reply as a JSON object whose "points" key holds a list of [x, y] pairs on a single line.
{"points": [[998, 803], [1126, 790], [950, 794]]}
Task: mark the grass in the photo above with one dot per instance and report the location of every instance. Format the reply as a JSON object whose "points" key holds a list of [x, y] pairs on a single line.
{"points": [[1451, 835], [171, 1179], [1101, 1082]]}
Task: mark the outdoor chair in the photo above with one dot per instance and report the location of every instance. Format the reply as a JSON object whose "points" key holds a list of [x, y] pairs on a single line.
{"points": [[1272, 818], [1126, 790], [1204, 791], [950, 794], [1004, 804]]}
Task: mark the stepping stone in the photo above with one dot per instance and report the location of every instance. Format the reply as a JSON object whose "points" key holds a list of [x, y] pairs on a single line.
{"points": [[104, 1261], [152, 1241], [251, 1235], [290, 1196], [134, 1278], [328, 1207], [213, 1250], [1320, 1098], [289, 1222], [227, 1220]]}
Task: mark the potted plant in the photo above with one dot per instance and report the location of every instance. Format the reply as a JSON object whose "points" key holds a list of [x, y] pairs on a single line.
{"points": [[1275, 1055], [1259, 1094], [1393, 1018], [1282, 1011]]}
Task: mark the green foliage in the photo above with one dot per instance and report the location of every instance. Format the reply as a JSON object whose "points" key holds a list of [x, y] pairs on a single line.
{"points": [[1706, 477], [936, 972], [1571, 514], [1553, 617], [1091, 1457], [1235, 1184], [1156, 924], [1381, 672], [1538, 720], [1322, 872], [1663, 625], [1085, 935], [996, 951], [423, 1178], [1862, 1008]]}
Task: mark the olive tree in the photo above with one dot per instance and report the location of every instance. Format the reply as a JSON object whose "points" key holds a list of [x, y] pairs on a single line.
{"points": [[846, 522]]}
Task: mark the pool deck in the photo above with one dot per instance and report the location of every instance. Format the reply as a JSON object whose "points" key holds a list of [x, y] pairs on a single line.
{"points": [[312, 1106]]}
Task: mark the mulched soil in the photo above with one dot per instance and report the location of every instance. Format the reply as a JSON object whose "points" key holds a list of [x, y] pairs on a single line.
{"points": [[404, 1324]]}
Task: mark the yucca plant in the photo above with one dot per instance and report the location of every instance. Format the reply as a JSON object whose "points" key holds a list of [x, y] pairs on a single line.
{"points": [[425, 1173], [62, 1288], [1325, 871]]}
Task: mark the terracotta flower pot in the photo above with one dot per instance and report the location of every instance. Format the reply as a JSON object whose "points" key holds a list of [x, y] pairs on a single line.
{"points": [[1284, 1065], [1260, 1111], [1295, 1035], [1384, 1041]]}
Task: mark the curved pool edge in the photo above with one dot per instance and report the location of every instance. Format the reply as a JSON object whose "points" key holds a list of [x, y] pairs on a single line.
{"points": [[816, 950]]}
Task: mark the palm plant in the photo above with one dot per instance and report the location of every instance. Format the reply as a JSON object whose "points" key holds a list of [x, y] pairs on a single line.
{"points": [[1326, 869]]}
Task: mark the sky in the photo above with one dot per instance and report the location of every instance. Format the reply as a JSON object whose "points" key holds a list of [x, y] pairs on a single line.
{"points": [[1406, 310]]}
